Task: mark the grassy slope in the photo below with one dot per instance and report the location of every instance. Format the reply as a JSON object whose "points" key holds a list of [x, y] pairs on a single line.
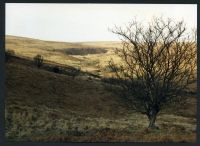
{"points": [[42, 105], [51, 51], [60, 90]]}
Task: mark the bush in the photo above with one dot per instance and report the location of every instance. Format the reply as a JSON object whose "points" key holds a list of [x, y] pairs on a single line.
{"points": [[56, 69], [8, 54], [75, 72], [38, 60]]}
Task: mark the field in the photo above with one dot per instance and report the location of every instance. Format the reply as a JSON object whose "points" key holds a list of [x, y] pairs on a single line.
{"points": [[42, 105], [59, 52]]}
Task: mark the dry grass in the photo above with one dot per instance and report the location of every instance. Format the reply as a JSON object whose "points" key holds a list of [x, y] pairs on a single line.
{"points": [[53, 51], [45, 106]]}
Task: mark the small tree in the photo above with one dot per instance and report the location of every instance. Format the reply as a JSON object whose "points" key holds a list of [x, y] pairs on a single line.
{"points": [[38, 60], [158, 63], [75, 72], [8, 54]]}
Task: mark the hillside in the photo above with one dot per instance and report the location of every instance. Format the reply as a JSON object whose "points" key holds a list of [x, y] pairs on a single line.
{"points": [[45, 106], [86, 55], [62, 91]]}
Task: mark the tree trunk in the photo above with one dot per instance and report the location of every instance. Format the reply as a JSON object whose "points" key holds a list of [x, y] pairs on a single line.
{"points": [[152, 119]]}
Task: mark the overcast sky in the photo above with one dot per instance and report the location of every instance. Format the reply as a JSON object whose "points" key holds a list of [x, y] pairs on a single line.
{"points": [[86, 22]]}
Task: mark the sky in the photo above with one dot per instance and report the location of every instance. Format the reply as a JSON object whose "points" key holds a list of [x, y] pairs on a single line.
{"points": [[87, 22]]}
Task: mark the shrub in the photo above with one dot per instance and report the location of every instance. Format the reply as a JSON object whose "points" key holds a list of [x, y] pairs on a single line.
{"points": [[8, 54], [75, 72], [38, 60], [56, 69]]}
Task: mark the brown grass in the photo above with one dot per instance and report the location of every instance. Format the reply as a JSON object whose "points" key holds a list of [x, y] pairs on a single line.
{"points": [[45, 106], [53, 51], [105, 135]]}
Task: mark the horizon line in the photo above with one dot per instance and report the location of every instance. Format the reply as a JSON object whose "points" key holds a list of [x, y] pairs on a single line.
{"points": [[60, 40]]}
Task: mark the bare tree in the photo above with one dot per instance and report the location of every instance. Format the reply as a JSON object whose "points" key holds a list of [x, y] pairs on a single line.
{"points": [[158, 63]]}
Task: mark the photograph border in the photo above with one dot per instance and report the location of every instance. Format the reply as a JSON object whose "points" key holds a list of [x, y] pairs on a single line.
{"points": [[3, 75]]}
